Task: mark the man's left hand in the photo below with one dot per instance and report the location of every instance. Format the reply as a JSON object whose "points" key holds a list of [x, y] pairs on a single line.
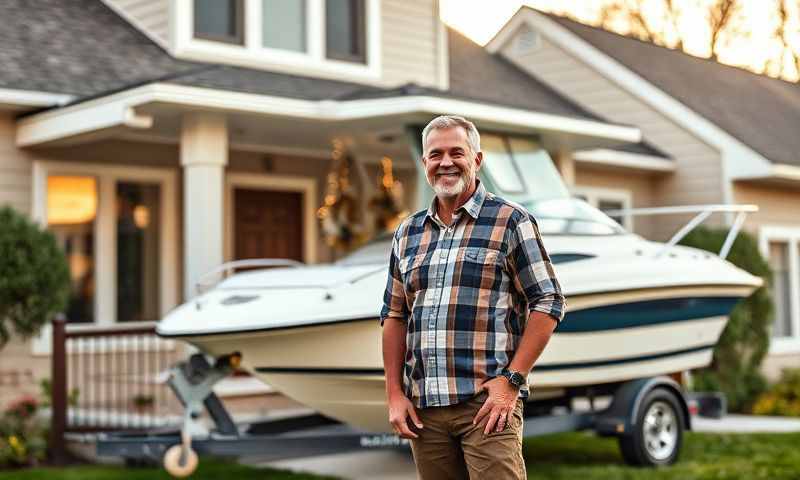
{"points": [[499, 406]]}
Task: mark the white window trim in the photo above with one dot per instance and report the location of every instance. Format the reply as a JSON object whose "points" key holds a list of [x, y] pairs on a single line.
{"points": [[790, 235], [254, 55], [595, 194], [105, 246], [284, 183]]}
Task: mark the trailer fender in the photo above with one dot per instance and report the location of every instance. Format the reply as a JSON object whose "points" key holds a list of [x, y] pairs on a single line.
{"points": [[621, 416]]}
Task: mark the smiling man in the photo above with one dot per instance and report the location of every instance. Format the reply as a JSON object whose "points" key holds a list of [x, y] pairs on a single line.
{"points": [[470, 303]]}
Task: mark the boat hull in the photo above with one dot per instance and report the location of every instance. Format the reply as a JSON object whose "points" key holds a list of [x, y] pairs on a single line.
{"points": [[606, 337]]}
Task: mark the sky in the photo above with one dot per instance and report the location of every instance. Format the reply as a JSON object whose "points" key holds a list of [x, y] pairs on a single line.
{"points": [[480, 20]]}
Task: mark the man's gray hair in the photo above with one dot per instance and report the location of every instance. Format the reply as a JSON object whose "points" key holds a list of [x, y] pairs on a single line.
{"points": [[443, 122]]}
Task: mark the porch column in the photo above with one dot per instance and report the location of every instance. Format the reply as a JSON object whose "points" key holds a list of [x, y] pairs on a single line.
{"points": [[566, 167], [204, 155]]}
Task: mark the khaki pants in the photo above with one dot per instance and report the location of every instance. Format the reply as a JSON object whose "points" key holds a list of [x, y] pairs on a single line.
{"points": [[450, 447]]}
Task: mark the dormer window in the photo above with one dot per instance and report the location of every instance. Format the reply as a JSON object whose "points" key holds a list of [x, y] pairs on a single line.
{"points": [[283, 23], [219, 20], [329, 38], [345, 30]]}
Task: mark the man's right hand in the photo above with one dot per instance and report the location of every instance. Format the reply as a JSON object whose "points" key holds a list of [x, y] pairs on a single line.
{"points": [[400, 409]]}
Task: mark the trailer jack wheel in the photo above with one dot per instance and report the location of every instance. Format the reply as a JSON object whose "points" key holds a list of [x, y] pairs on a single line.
{"points": [[180, 461], [657, 435]]}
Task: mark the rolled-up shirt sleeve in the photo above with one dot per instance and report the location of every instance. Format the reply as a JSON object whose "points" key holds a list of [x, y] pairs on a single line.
{"points": [[532, 272], [394, 298]]}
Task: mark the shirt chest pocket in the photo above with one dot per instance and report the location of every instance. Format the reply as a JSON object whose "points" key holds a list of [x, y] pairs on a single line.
{"points": [[478, 267]]}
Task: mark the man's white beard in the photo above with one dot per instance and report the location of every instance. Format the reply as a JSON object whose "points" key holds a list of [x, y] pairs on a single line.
{"points": [[464, 180]]}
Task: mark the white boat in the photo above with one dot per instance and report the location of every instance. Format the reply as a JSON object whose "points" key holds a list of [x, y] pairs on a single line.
{"points": [[636, 309]]}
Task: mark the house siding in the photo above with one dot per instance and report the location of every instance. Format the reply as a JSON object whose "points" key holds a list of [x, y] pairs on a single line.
{"points": [[151, 16], [640, 187], [15, 169], [698, 178], [410, 39]]}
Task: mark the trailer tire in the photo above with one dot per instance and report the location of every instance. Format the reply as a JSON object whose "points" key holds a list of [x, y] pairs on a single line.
{"points": [[657, 434], [177, 468]]}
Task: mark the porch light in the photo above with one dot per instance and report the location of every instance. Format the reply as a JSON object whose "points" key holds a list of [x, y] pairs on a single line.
{"points": [[141, 216], [71, 200]]}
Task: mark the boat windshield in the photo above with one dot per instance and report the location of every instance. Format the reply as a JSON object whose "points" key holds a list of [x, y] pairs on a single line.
{"points": [[571, 216]]}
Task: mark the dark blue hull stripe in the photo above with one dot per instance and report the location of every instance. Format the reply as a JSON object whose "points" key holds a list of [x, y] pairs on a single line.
{"points": [[537, 368], [649, 312]]}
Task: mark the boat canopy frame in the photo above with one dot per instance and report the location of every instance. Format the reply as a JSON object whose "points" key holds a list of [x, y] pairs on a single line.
{"points": [[703, 212]]}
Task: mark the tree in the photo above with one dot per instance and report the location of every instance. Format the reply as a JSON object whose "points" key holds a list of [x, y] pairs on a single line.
{"points": [[34, 276], [659, 22]]}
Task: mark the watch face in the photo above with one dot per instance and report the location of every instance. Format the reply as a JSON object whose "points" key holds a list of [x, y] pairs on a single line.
{"points": [[517, 379]]}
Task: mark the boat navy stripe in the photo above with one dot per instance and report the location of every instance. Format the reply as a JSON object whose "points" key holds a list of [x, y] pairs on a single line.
{"points": [[648, 312], [539, 368]]}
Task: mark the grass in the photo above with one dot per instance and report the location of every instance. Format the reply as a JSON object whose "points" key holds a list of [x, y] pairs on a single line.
{"points": [[208, 469], [703, 457], [564, 456]]}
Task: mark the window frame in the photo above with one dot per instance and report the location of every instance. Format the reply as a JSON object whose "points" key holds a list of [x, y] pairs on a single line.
{"points": [[237, 39], [596, 194], [361, 6], [791, 236], [105, 249], [253, 54]]}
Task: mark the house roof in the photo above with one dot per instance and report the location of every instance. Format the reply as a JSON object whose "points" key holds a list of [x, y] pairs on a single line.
{"points": [[85, 49], [760, 111]]}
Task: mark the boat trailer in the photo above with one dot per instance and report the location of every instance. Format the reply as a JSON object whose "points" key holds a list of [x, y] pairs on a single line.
{"points": [[647, 415]]}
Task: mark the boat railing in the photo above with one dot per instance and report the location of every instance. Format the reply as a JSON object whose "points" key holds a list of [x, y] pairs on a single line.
{"points": [[212, 277], [703, 212]]}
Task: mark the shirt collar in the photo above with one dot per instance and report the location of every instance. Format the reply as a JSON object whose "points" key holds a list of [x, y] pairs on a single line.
{"points": [[472, 206]]}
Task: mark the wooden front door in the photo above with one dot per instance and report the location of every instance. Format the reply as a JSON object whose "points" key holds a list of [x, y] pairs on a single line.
{"points": [[268, 224]]}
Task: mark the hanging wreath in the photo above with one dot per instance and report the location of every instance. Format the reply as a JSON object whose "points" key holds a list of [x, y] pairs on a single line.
{"points": [[388, 202]]}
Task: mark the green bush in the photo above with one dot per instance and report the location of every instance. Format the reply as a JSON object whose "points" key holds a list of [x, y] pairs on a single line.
{"points": [[735, 369], [34, 276], [783, 398]]}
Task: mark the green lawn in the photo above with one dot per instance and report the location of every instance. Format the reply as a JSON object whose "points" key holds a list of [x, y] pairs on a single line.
{"points": [[569, 456], [704, 456]]}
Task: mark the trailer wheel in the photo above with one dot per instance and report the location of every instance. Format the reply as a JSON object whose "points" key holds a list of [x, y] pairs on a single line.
{"points": [[179, 465], [658, 433]]}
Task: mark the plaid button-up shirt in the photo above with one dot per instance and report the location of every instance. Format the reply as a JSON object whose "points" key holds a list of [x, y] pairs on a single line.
{"points": [[466, 291]]}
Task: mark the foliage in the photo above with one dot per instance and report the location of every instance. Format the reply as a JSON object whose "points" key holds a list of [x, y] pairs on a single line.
{"points": [[745, 340], [47, 393], [34, 276], [23, 435], [783, 398]]}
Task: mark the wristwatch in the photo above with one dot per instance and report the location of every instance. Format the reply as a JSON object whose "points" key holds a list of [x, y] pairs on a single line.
{"points": [[514, 378]]}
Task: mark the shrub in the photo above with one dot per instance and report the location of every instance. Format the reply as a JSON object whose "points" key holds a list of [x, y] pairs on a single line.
{"points": [[34, 276], [23, 435], [735, 368], [783, 398]]}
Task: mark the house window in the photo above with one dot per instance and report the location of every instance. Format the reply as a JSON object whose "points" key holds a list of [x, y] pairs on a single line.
{"points": [[607, 200], [138, 211], [219, 20], [284, 24], [71, 216], [345, 30], [781, 247]]}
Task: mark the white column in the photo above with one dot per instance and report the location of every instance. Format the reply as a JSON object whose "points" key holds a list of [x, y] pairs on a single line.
{"points": [[204, 155]]}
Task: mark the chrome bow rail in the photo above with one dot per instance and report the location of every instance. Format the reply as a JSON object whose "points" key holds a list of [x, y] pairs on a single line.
{"points": [[209, 279], [703, 212]]}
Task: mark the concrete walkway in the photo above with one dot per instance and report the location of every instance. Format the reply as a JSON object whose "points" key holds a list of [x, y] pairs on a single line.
{"points": [[398, 464]]}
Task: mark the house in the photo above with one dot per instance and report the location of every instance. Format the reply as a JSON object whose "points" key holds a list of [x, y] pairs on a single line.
{"points": [[159, 139]]}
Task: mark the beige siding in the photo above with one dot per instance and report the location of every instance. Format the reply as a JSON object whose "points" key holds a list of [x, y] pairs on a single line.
{"points": [[15, 169], [778, 206], [640, 187], [152, 16], [409, 39], [698, 178]]}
